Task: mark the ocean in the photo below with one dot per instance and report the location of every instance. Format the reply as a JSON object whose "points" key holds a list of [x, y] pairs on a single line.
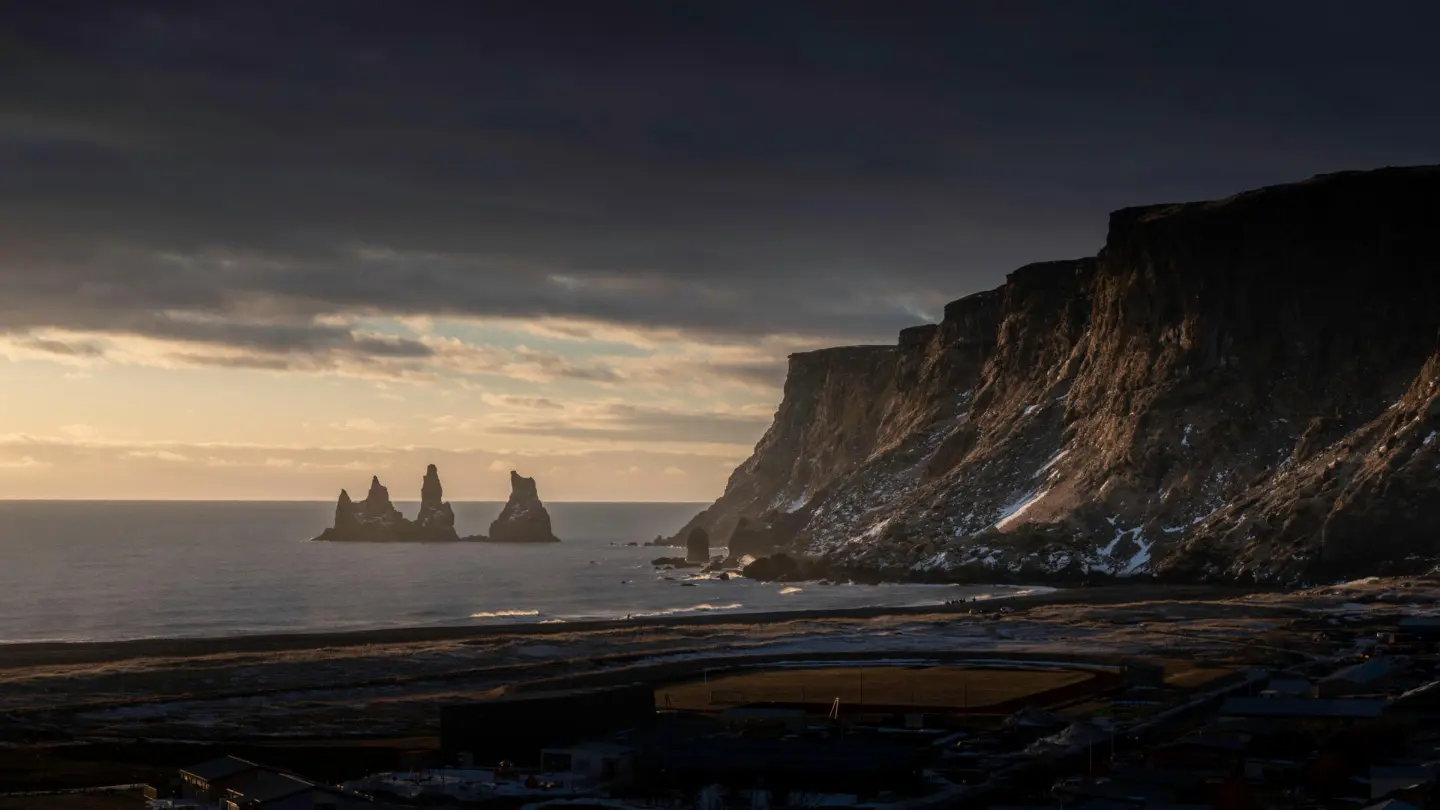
{"points": [[112, 570]]}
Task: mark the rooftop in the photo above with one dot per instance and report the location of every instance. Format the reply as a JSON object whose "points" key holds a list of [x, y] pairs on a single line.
{"points": [[1368, 671], [1302, 707], [219, 768], [270, 786], [764, 712]]}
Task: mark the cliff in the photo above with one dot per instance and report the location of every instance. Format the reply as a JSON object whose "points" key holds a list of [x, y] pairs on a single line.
{"points": [[1242, 389]]}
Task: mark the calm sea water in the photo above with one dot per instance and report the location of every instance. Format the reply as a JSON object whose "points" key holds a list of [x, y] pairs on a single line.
{"points": [[78, 571]]}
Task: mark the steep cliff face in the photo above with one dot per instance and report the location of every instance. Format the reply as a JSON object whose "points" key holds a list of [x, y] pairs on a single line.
{"points": [[827, 424], [852, 414], [1239, 389]]}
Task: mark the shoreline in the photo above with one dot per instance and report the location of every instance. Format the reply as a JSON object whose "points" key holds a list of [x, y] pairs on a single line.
{"points": [[54, 653]]}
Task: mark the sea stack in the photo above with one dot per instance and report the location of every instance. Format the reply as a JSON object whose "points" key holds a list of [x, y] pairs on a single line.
{"points": [[376, 520], [435, 513], [524, 519], [697, 546]]}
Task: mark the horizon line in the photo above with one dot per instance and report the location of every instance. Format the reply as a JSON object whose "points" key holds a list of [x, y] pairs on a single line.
{"points": [[304, 500]]}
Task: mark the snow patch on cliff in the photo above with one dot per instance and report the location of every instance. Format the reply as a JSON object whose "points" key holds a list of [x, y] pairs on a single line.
{"points": [[1017, 509]]}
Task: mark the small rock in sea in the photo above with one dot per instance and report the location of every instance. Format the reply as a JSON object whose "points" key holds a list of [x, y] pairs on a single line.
{"points": [[632, 543], [687, 584], [724, 577]]}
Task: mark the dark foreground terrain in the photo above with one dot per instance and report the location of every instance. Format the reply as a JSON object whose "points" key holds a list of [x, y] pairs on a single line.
{"points": [[340, 705]]}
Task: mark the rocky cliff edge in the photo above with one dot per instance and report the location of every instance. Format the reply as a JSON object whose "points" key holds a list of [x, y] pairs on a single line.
{"points": [[1241, 390]]}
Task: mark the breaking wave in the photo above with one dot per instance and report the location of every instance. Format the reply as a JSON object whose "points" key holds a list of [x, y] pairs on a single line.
{"points": [[705, 608], [503, 614], [791, 589]]}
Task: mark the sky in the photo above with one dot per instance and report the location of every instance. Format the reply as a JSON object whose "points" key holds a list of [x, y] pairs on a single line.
{"points": [[263, 251]]}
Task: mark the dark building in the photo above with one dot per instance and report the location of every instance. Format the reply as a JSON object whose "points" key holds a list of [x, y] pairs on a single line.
{"points": [[803, 765], [210, 782], [277, 791], [1143, 673], [1418, 629], [517, 726], [1362, 678], [1304, 708]]}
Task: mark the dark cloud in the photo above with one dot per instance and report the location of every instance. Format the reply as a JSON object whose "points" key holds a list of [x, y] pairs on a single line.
{"points": [[553, 365], [632, 423], [536, 403], [62, 348], [760, 375], [224, 174]]}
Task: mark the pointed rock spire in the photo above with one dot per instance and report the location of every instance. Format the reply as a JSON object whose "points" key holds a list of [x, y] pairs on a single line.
{"points": [[376, 519], [345, 511], [436, 517], [524, 519], [431, 493], [378, 493]]}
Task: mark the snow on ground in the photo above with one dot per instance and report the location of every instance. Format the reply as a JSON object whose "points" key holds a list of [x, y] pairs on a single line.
{"points": [[1051, 463], [1015, 510], [1136, 562], [792, 505], [1139, 559]]}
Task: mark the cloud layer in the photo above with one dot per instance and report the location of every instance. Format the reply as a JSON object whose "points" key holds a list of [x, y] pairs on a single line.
{"points": [[50, 467], [588, 230], [226, 177]]}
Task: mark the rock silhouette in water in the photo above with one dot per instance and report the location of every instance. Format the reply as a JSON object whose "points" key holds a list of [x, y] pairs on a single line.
{"points": [[376, 520], [434, 512], [524, 519], [697, 547]]}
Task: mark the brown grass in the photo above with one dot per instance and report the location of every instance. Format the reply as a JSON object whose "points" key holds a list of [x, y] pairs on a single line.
{"points": [[925, 686], [1191, 675]]}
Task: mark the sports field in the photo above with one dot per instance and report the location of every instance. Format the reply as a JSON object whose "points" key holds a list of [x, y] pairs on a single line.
{"points": [[932, 686]]}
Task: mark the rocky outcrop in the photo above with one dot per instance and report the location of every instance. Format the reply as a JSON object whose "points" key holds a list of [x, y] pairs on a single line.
{"points": [[1242, 389], [435, 513], [524, 519], [827, 424], [758, 537], [376, 520], [697, 546]]}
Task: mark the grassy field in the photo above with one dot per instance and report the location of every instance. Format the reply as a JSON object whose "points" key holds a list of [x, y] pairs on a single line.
{"points": [[923, 686], [1192, 676]]}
